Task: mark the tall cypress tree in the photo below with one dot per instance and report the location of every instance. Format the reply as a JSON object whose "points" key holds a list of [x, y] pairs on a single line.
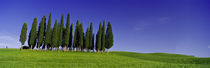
{"points": [[87, 41], [76, 36], [96, 44], [29, 37], [50, 39], [55, 37], [80, 37], [48, 33], [83, 42], [92, 47], [109, 37], [41, 32], [33, 33], [60, 32], [59, 35], [70, 37], [66, 34], [90, 36], [103, 37], [43, 45], [99, 34], [23, 35]]}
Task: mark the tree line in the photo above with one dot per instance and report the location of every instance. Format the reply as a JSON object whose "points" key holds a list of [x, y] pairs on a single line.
{"points": [[48, 38]]}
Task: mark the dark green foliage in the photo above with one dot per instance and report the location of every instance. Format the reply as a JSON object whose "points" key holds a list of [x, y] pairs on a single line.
{"points": [[70, 36], [33, 33], [109, 36], [59, 35], [98, 39], [29, 37], [103, 37], [76, 35], [60, 29], [45, 28], [96, 44], [83, 41], [41, 32], [48, 32], [55, 36], [87, 41], [66, 33], [90, 36], [92, 47], [80, 36], [63, 36], [49, 45], [23, 34]]}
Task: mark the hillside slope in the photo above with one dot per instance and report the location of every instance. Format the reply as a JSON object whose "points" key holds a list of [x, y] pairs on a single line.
{"points": [[13, 58]]}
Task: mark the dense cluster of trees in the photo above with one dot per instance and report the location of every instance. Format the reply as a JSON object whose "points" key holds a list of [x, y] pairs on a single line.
{"points": [[60, 37]]}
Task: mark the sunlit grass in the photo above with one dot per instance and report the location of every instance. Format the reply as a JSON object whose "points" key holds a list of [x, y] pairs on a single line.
{"points": [[14, 58]]}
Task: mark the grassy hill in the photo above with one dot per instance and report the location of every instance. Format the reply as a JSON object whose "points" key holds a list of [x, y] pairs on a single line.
{"points": [[13, 58]]}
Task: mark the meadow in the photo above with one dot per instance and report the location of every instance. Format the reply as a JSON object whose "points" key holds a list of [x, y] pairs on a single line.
{"points": [[14, 58]]}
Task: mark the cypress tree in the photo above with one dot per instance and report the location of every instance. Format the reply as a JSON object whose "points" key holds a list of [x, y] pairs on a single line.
{"points": [[80, 37], [92, 47], [43, 45], [90, 36], [76, 36], [50, 39], [109, 37], [87, 41], [48, 33], [82, 49], [41, 33], [103, 37], [59, 35], [99, 38], [55, 37], [66, 34], [33, 33], [60, 32], [29, 37], [96, 45], [70, 37], [49, 46], [83, 41], [23, 35]]}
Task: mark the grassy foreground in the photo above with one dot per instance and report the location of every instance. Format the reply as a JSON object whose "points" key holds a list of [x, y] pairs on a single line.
{"points": [[13, 58]]}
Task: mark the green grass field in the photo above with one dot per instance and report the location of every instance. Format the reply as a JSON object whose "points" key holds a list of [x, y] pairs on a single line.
{"points": [[13, 58]]}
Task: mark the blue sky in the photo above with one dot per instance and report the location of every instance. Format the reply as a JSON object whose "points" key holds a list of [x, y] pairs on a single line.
{"points": [[146, 26]]}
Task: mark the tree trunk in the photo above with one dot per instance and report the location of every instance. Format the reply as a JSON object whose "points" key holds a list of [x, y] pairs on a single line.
{"points": [[102, 51], [107, 51], [21, 47], [58, 49], [87, 49], [98, 51], [45, 47], [77, 49], [31, 47], [64, 48], [38, 48]]}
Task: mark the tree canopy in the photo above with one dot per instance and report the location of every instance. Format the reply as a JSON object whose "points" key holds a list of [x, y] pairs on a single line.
{"points": [[52, 38]]}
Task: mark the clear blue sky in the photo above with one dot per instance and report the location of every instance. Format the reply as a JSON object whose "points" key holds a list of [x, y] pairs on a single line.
{"points": [[146, 26]]}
